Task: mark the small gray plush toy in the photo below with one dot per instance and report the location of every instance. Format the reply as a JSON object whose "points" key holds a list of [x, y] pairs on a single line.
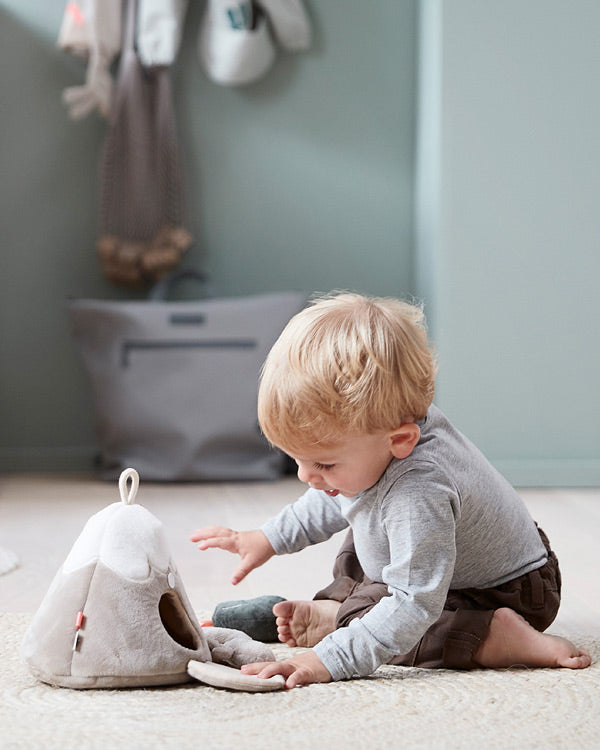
{"points": [[117, 614]]}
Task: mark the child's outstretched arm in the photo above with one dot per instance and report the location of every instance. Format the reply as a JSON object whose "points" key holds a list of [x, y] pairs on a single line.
{"points": [[252, 546]]}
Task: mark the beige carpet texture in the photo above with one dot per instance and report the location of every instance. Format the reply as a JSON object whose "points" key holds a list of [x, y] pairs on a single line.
{"points": [[397, 707]]}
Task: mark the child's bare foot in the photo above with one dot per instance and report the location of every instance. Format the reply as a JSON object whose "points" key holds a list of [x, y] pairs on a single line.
{"points": [[305, 623], [512, 641]]}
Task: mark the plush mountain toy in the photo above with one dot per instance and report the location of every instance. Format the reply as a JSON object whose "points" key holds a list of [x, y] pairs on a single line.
{"points": [[117, 614]]}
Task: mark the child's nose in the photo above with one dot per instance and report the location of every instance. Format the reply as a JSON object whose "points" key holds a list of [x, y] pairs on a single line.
{"points": [[306, 474]]}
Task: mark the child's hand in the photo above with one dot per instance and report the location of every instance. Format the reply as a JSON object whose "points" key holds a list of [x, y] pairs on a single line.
{"points": [[252, 546], [302, 669]]}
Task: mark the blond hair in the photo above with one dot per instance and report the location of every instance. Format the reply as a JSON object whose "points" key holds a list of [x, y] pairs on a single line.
{"points": [[346, 364]]}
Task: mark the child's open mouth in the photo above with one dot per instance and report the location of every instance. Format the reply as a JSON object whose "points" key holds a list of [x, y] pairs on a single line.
{"points": [[332, 493]]}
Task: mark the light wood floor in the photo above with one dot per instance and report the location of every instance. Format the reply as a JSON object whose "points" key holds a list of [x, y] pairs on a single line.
{"points": [[42, 515]]}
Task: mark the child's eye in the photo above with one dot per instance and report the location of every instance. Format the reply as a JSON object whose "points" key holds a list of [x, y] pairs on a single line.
{"points": [[323, 467]]}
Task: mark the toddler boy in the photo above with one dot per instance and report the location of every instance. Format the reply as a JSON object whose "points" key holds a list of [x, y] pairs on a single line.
{"points": [[443, 565]]}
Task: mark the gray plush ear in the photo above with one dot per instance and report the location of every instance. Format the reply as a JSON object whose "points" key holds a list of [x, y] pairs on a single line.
{"points": [[222, 676], [234, 648]]}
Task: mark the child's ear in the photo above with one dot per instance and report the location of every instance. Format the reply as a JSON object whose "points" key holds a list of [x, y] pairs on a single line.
{"points": [[404, 439]]}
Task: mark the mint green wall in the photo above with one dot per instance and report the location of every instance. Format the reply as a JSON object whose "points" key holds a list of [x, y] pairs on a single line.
{"points": [[303, 180], [509, 228], [307, 179]]}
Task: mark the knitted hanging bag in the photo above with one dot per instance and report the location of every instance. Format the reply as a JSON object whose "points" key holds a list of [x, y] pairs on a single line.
{"points": [[142, 236]]}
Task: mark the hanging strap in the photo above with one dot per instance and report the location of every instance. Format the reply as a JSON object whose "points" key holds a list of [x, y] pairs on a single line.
{"points": [[130, 22], [128, 496], [164, 289]]}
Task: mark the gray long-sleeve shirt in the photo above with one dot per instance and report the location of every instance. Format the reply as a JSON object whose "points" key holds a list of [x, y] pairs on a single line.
{"points": [[441, 518]]}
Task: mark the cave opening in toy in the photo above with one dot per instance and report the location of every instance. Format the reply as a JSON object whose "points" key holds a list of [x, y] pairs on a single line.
{"points": [[176, 621]]}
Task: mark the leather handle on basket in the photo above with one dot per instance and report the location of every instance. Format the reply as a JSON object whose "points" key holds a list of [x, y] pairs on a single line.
{"points": [[163, 289]]}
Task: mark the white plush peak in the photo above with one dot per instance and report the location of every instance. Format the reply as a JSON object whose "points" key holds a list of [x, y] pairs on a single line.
{"points": [[126, 538]]}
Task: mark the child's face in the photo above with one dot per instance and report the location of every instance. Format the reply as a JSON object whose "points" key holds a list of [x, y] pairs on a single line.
{"points": [[348, 466]]}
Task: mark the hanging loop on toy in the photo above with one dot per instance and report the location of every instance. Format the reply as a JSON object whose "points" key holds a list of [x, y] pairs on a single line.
{"points": [[128, 497]]}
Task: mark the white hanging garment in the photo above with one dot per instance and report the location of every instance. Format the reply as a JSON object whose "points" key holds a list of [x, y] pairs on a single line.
{"points": [[238, 38], [159, 31], [289, 22], [91, 29]]}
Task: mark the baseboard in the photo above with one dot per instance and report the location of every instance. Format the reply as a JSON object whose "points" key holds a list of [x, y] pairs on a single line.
{"points": [[551, 472], [519, 472]]}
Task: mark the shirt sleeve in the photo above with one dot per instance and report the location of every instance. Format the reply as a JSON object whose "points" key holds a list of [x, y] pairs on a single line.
{"points": [[420, 527], [313, 518]]}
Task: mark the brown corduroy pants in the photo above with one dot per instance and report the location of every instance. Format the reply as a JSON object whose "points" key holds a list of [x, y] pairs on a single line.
{"points": [[453, 640]]}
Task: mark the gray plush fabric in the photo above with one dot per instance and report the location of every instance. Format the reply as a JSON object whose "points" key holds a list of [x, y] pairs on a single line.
{"points": [[234, 648], [117, 613], [252, 616], [125, 641]]}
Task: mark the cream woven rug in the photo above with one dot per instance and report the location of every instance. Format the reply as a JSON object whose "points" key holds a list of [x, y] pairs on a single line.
{"points": [[395, 708]]}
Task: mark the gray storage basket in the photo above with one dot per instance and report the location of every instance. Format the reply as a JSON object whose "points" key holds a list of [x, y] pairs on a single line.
{"points": [[175, 383]]}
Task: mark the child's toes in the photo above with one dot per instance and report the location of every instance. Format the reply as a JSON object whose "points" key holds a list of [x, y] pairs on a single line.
{"points": [[581, 661], [283, 610]]}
